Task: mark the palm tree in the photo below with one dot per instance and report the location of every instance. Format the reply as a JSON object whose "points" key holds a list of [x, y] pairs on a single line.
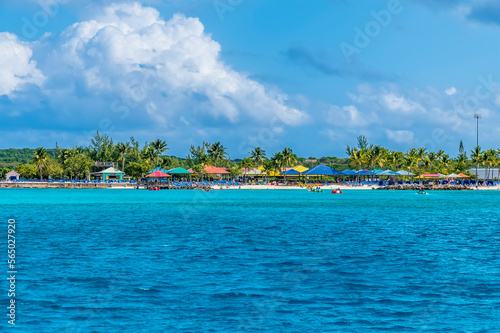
{"points": [[410, 159], [476, 157], [461, 162], [41, 159], [489, 160], [123, 150], [149, 154], [217, 152], [159, 147], [246, 163], [277, 163], [63, 155], [288, 158], [356, 158], [431, 158], [439, 156], [445, 162], [420, 156], [394, 159], [268, 167], [258, 156]]}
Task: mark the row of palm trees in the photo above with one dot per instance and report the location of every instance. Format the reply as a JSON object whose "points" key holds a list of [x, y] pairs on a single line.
{"points": [[419, 159], [277, 163], [101, 149]]}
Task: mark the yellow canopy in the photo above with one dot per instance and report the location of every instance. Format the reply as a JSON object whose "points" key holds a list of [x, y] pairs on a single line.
{"points": [[300, 168], [270, 173]]}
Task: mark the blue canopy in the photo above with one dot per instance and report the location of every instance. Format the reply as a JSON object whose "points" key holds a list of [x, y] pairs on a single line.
{"points": [[405, 173], [365, 173], [388, 173], [348, 172], [291, 172], [322, 170]]}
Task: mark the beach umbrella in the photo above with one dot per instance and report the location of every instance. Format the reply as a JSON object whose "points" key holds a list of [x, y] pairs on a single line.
{"points": [[463, 175], [348, 172]]}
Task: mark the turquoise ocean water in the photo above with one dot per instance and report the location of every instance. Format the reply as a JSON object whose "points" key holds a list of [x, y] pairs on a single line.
{"points": [[252, 261]]}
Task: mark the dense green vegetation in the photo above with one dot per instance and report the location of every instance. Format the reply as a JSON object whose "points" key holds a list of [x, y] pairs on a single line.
{"points": [[136, 160], [419, 160], [13, 157]]}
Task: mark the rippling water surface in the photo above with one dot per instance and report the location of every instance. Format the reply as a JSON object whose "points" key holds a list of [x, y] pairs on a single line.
{"points": [[254, 261]]}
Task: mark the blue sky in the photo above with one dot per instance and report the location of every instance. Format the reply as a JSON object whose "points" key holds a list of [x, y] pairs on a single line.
{"points": [[311, 75]]}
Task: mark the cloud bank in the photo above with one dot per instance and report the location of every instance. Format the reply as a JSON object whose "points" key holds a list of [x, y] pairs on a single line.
{"points": [[17, 68], [127, 65]]}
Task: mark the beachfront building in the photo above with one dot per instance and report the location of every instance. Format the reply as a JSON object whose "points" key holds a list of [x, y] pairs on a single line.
{"points": [[483, 173], [11, 176], [109, 174]]}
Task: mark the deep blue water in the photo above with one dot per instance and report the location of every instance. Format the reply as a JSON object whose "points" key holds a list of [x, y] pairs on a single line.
{"points": [[253, 261]]}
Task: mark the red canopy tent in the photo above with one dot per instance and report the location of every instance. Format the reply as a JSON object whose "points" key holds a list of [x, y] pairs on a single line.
{"points": [[158, 174]]}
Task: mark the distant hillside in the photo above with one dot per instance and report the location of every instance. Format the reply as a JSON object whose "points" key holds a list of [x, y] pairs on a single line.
{"points": [[12, 157]]}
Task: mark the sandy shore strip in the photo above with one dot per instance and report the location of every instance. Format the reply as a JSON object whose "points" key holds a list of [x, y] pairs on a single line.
{"points": [[329, 187], [283, 187]]}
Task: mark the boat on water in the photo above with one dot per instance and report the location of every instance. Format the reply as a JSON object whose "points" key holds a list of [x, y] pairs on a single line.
{"points": [[421, 192], [316, 189]]}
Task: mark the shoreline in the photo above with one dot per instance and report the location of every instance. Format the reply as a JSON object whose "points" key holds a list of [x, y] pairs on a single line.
{"points": [[126, 186]]}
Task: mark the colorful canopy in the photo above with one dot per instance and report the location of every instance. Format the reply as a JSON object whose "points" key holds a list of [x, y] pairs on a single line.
{"points": [[270, 173], [388, 173], [433, 175], [214, 170], [254, 172], [453, 175], [158, 174], [178, 171], [109, 170], [365, 173], [291, 172], [463, 175], [156, 169], [300, 168], [348, 172], [321, 170], [405, 173]]}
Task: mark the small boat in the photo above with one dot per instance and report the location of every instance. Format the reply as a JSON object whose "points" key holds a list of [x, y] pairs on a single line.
{"points": [[206, 190], [421, 192]]}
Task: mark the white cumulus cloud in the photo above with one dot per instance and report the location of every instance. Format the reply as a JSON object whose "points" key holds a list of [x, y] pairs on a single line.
{"points": [[400, 136], [399, 103], [165, 69], [16, 65], [451, 91]]}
